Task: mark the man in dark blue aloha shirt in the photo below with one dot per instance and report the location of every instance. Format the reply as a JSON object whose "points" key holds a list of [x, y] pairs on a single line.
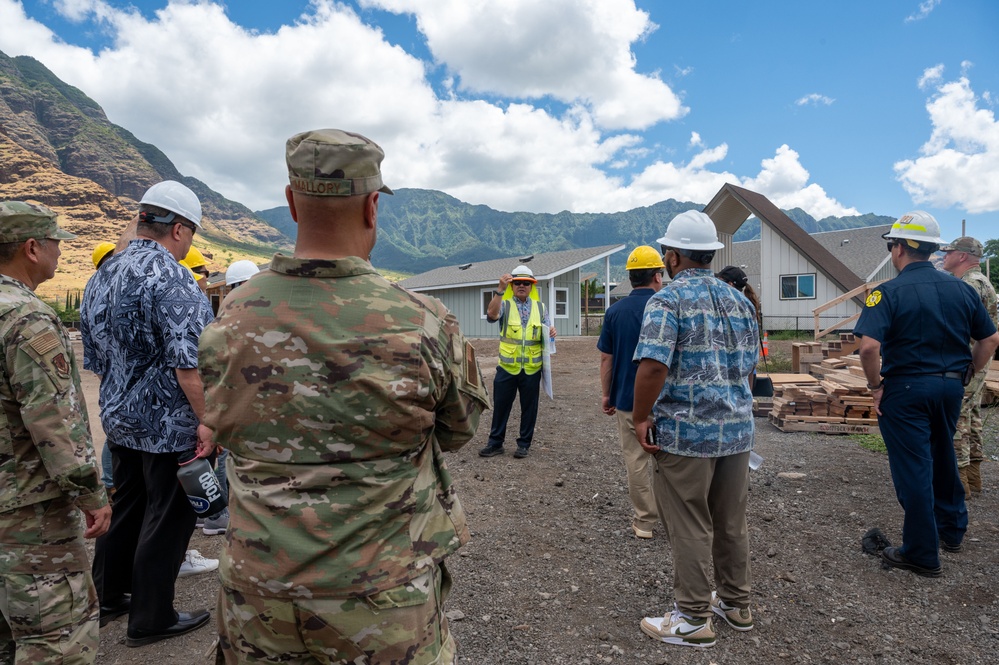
{"points": [[141, 318]]}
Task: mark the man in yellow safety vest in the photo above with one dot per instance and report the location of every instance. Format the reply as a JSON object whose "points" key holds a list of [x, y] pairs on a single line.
{"points": [[523, 322]]}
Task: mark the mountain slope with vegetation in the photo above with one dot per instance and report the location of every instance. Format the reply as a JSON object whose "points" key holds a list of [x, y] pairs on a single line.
{"points": [[58, 147], [420, 229]]}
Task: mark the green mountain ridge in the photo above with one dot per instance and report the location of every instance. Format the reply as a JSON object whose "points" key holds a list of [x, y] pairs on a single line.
{"points": [[422, 229]]}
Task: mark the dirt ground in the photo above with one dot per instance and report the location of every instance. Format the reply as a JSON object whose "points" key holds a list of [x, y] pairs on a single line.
{"points": [[554, 575]]}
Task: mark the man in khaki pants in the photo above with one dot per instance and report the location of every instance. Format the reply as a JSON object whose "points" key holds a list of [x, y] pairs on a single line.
{"points": [[961, 259], [698, 346], [617, 342]]}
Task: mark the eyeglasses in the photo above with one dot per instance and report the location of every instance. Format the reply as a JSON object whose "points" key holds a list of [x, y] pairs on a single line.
{"points": [[194, 229]]}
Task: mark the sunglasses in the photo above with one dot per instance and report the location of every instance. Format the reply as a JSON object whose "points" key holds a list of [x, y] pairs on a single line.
{"points": [[521, 282], [202, 271], [891, 244], [194, 229]]}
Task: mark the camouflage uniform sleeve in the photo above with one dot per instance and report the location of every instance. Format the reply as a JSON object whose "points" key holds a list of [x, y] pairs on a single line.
{"points": [[46, 383], [465, 399]]}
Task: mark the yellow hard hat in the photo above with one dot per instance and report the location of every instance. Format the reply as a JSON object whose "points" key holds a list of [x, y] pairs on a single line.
{"points": [[102, 250], [194, 259], [642, 257]]}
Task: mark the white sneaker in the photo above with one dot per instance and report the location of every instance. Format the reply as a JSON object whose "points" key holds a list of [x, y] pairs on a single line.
{"points": [[195, 564], [678, 628]]}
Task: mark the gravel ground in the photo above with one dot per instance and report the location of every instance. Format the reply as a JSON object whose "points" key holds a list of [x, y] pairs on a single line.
{"points": [[553, 574]]}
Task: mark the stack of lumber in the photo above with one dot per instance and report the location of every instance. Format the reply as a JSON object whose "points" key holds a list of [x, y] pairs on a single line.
{"points": [[806, 355], [839, 403], [991, 395]]}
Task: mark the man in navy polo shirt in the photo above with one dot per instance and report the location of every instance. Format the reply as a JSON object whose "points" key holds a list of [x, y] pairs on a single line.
{"points": [[914, 350], [617, 343]]}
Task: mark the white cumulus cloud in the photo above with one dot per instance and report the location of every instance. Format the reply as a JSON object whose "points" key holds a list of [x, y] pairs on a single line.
{"points": [[576, 51], [959, 163], [221, 100]]}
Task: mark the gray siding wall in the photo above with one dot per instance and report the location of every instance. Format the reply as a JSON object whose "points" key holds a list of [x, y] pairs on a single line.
{"points": [[778, 257], [887, 271], [465, 303]]}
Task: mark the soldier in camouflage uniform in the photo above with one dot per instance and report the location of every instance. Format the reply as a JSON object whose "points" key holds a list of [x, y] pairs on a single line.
{"points": [[48, 472], [335, 393], [962, 259]]}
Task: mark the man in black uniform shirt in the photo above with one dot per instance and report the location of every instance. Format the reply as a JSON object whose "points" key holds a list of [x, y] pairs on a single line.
{"points": [[918, 325]]}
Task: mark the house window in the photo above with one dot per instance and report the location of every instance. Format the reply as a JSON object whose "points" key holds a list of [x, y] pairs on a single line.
{"points": [[487, 295], [561, 303], [797, 287]]}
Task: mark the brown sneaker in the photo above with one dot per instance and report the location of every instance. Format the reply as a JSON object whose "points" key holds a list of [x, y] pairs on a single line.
{"points": [[739, 618]]}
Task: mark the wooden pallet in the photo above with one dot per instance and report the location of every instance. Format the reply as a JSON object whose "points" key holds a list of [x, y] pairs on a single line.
{"points": [[826, 425]]}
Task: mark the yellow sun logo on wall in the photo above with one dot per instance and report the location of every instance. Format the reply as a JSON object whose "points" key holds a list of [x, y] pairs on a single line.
{"points": [[873, 299]]}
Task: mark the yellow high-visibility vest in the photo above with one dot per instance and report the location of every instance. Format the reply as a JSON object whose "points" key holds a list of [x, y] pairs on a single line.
{"points": [[521, 347]]}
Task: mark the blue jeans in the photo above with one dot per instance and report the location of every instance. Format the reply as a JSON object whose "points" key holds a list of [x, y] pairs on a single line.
{"points": [[919, 416]]}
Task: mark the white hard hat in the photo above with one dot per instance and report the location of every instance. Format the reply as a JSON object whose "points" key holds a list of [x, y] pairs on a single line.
{"points": [[691, 230], [175, 197], [523, 272], [240, 271], [917, 225]]}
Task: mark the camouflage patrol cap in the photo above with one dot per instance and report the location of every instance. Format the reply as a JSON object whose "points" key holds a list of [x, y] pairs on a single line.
{"points": [[20, 221], [965, 244], [332, 162]]}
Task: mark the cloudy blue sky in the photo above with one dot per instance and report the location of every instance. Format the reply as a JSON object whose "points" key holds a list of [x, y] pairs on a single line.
{"points": [[584, 105]]}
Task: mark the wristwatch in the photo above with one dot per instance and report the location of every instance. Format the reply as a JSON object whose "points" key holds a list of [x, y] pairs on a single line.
{"points": [[499, 293], [877, 387]]}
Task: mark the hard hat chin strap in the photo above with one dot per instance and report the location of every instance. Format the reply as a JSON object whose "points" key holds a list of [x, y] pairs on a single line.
{"points": [[147, 217]]}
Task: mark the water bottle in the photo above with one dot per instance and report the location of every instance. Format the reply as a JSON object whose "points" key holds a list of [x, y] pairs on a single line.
{"points": [[199, 482]]}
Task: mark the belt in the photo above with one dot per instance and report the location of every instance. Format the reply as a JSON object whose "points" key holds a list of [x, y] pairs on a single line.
{"points": [[946, 375]]}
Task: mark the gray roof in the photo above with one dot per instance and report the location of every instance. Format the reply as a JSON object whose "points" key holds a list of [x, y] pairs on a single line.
{"points": [[484, 273], [746, 255], [862, 250]]}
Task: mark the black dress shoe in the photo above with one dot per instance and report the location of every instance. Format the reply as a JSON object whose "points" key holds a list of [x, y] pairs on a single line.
{"points": [[114, 610], [953, 549], [891, 556], [186, 622]]}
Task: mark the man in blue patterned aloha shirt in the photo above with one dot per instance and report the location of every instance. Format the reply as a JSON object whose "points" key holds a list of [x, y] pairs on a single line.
{"points": [[141, 317], [698, 346]]}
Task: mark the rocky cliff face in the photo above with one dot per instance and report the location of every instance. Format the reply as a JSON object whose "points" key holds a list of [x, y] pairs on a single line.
{"points": [[58, 147]]}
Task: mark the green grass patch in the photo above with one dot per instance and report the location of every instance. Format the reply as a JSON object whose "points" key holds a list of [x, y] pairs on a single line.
{"points": [[872, 442], [794, 335]]}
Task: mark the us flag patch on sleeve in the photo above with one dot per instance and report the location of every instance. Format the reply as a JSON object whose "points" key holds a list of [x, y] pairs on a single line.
{"points": [[471, 367]]}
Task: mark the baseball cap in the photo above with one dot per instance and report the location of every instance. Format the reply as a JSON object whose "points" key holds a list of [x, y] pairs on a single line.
{"points": [[965, 244], [733, 274], [20, 221], [332, 162]]}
